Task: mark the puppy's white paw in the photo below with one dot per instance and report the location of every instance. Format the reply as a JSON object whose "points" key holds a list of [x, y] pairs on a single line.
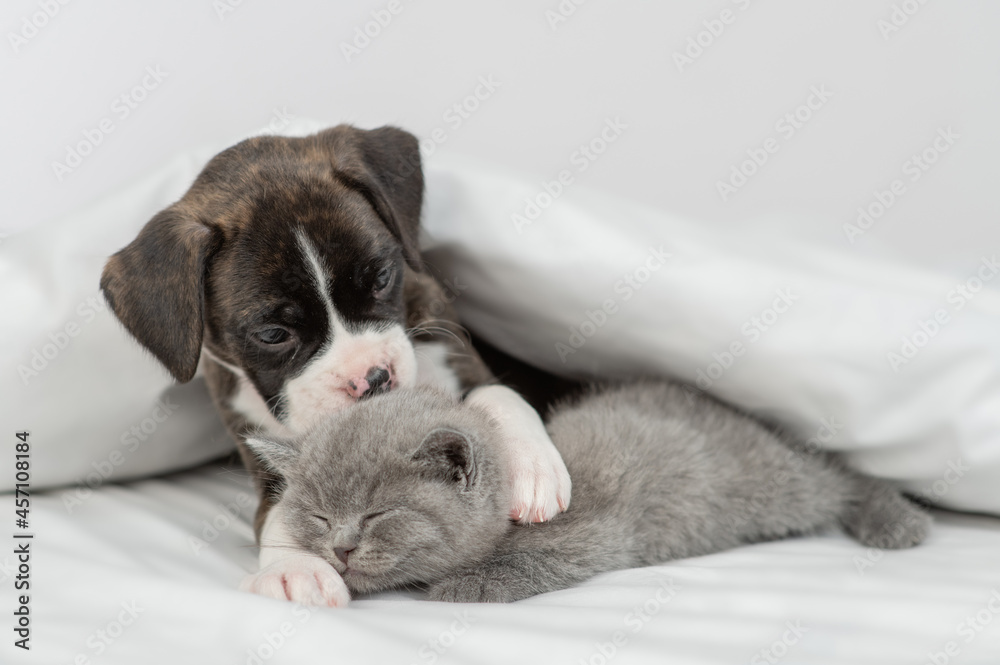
{"points": [[303, 579], [540, 481], [540, 484]]}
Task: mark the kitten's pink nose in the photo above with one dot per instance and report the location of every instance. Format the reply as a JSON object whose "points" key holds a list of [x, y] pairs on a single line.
{"points": [[342, 553], [377, 380]]}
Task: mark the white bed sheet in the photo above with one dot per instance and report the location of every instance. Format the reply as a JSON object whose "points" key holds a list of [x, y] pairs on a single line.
{"points": [[144, 546]]}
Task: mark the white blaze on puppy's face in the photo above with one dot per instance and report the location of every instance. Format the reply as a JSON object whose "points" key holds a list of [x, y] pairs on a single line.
{"points": [[326, 384], [337, 375]]}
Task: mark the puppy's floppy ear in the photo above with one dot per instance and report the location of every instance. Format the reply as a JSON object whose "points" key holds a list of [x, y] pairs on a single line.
{"points": [[279, 455], [384, 166], [449, 453], [156, 288]]}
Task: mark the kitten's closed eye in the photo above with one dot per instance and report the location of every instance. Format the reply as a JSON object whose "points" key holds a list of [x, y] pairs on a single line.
{"points": [[324, 525], [371, 516]]}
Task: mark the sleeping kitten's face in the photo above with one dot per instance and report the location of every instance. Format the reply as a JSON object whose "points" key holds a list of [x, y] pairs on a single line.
{"points": [[400, 488]]}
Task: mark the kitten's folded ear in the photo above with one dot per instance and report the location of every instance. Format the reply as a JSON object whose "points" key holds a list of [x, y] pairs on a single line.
{"points": [[279, 455], [449, 453]]}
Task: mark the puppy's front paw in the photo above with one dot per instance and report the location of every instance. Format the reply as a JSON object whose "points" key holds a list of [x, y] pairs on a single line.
{"points": [[540, 482], [303, 579]]}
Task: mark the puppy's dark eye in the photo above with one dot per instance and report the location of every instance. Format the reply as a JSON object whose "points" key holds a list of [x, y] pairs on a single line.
{"points": [[382, 279], [273, 335]]}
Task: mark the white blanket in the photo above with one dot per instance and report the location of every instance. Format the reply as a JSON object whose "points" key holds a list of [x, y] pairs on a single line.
{"points": [[145, 573], [889, 363]]}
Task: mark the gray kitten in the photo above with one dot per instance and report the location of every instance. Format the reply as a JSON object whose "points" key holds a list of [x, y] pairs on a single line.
{"points": [[410, 487]]}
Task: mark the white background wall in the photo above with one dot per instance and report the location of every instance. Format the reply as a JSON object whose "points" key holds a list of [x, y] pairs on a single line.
{"points": [[226, 72]]}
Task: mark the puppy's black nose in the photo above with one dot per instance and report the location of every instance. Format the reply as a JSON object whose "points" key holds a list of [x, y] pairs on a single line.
{"points": [[342, 553], [378, 381]]}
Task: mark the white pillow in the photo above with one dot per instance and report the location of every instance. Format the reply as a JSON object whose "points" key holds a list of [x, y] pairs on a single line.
{"points": [[887, 362], [97, 406]]}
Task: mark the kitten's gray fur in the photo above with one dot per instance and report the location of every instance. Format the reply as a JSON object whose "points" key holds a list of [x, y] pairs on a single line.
{"points": [[416, 484]]}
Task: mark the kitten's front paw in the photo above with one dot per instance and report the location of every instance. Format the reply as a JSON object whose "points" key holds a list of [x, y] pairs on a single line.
{"points": [[474, 588], [540, 482], [303, 579]]}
